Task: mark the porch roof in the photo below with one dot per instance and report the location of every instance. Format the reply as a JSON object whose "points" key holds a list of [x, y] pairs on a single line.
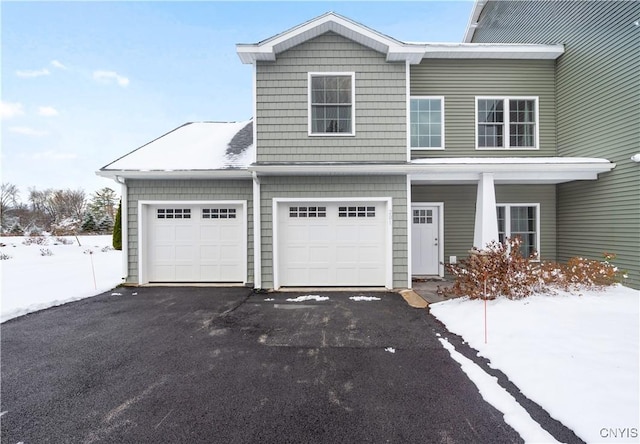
{"points": [[508, 170], [521, 170]]}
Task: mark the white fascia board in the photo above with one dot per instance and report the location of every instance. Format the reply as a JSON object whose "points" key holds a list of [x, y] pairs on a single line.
{"points": [[473, 19], [268, 49], [176, 174], [492, 51]]}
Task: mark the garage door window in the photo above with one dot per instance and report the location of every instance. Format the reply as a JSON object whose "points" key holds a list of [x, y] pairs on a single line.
{"points": [[173, 213], [218, 213], [307, 211], [357, 212]]}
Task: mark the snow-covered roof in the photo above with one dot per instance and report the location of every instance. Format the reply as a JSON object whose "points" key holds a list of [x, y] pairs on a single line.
{"points": [[196, 146]]}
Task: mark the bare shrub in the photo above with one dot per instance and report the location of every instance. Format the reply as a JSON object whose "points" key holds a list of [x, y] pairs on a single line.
{"points": [[46, 252], [4, 256], [36, 240], [501, 270], [62, 241]]}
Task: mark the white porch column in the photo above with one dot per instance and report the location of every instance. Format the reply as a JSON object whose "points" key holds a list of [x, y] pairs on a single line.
{"points": [[486, 226]]}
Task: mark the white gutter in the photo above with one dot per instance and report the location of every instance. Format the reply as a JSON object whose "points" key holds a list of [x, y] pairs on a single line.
{"points": [[176, 174], [124, 226]]}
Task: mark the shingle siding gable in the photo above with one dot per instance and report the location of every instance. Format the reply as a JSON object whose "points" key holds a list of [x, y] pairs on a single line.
{"points": [[282, 107]]}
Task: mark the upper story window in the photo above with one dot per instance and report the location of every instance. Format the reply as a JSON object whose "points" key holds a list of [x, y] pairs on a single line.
{"points": [[427, 122], [331, 104], [507, 122]]}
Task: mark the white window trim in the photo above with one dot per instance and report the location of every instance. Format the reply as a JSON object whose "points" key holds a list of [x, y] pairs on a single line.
{"points": [[288, 200], [353, 104], [507, 139], [507, 220], [421, 148], [143, 242]]}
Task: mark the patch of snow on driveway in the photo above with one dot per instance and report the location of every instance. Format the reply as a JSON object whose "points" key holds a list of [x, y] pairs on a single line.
{"points": [[310, 297], [364, 298]]}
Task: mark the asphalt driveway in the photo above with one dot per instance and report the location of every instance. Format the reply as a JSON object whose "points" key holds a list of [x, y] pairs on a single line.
{"points": [[225, 365]]}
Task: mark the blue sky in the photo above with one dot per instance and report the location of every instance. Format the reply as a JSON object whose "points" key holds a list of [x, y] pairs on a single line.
{"points": [[85, 82]]}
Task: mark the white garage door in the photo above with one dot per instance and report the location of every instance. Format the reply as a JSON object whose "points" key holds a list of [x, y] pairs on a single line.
{"points": [[196, 243], [332, 244]]}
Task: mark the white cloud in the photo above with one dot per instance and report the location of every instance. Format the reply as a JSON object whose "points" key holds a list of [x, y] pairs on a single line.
{"points": [[8, 110], [53, 155], [27, 131], [47, 111], [109, 76], [30, 73], [57, 64]]}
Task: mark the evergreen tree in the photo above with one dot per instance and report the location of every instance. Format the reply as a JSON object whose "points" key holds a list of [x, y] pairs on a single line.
{"points": [[105, 225], [89, 224], [117, 229]]}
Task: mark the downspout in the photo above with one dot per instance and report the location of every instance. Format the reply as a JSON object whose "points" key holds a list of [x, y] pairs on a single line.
{"points": [[257, 233], [257, 238], [124, 227], [407, 81]]}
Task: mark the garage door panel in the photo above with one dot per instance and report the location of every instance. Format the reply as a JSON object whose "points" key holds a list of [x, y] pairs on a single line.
{"points": [[184, 233], [319, 233], [229, 253], [184, 272], [203, 247], [331, 250], [209, 233], [319, 253], [209, 253]]}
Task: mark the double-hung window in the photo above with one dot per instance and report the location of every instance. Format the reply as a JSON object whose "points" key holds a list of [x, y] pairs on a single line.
{"points": [[521, 221], [507, 122], [427, 122], [331, 104]]}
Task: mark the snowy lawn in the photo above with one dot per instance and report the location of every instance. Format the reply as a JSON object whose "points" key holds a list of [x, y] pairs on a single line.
{"points": [[575, 355], [31, 281]]}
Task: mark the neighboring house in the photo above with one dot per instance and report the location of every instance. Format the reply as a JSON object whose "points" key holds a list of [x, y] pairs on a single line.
{"points": [[597, 82], [368, 161]]}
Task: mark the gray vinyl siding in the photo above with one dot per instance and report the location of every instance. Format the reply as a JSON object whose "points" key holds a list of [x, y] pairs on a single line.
{"points": [[337, 186], [460, 81], [598, 115], [138, 190], [460, 208], [282, 104]]}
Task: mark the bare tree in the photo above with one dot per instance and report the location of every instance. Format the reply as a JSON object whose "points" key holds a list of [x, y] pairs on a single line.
{"points": [[8, 200], [53, 207]]}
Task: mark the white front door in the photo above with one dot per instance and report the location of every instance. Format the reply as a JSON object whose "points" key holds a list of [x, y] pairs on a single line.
{"points": [[424, 240]]}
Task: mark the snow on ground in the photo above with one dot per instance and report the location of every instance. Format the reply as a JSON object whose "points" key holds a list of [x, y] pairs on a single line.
{"points": [[575, 355], [364, 298], [31, 281], [310, 297], [514, 414]]}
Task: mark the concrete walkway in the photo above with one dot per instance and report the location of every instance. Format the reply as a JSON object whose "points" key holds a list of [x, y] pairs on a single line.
{"points": [[427, 289]]}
